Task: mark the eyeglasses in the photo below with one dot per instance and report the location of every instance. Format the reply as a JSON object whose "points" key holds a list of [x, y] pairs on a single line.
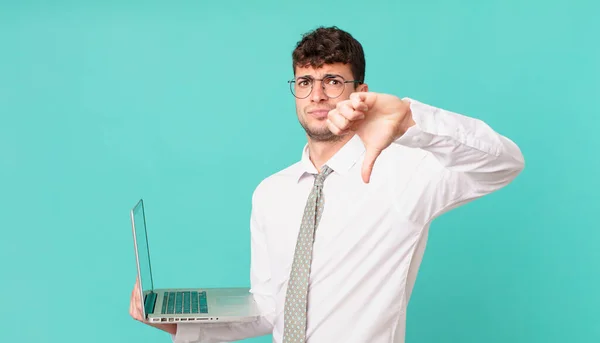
{"points": [[333, 86]]}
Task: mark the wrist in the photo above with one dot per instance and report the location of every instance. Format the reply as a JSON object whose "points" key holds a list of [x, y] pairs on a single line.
{"points": [[406, 121], [170, 328]]}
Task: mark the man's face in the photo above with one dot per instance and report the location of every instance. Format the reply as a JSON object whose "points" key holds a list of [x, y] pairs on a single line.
{"points": [[312, 110]]}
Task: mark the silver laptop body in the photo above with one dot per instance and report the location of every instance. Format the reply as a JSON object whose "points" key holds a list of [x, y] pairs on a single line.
{"points": [[184, 304]]}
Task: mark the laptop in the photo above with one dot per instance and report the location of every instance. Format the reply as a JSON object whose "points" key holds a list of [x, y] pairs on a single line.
{"points": [[175, 305]]}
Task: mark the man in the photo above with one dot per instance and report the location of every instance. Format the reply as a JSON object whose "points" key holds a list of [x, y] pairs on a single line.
{"points": [[337, 238]]}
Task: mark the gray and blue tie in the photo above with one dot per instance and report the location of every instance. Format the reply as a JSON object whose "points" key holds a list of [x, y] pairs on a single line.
{"points": [[294, 330]]}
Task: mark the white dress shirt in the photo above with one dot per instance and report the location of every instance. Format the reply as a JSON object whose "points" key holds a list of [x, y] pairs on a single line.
{"points": [[371, 237]]}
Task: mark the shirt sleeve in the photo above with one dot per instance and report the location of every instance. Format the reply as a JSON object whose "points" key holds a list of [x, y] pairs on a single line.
{"points": [[470, 158], [260, 279]]}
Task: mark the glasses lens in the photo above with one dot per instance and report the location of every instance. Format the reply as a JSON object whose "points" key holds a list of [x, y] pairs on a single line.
{"points": [[301, 87], [334, 86]]}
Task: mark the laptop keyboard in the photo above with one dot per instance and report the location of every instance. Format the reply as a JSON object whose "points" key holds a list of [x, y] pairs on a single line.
{"points": [[184, 302]]}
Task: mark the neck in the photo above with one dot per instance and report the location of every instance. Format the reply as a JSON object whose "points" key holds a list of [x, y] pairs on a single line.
{"points": [[320, 152]]}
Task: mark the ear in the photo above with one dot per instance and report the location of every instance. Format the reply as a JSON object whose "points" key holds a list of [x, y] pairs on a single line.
{"points": [[363, 87]]}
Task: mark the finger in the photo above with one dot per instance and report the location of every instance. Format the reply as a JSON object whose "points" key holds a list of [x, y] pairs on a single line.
{"points": [[135, 294], [339, 122], [368, 163], [334, 129], [350, 113], [360, 100], [133, 310], [132, 302], [359, 105], [137, 305]]}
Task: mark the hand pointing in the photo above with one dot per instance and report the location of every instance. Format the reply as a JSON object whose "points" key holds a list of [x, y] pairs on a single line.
{"points": [[378, 119]]}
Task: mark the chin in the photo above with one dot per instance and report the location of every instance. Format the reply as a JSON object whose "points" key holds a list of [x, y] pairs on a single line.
{"points": [[317, 129], [320, 130], [322, 134]]}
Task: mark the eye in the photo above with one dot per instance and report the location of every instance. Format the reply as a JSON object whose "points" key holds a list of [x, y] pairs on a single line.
{"points": [[333, 81], [303, 82]]}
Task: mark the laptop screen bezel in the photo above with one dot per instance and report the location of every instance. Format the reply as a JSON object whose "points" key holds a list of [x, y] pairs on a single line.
{"points": [[140, 205]]}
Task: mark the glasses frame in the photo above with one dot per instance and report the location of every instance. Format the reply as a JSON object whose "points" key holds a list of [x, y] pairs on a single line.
{"points": [[292, 82]]}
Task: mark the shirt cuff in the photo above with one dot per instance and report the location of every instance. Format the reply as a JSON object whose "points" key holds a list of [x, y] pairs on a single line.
{"points": [[418, 135], [186, 333]]}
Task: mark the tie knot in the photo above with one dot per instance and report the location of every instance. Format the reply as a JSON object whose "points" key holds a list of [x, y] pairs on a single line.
{"points": [[320, 178]]}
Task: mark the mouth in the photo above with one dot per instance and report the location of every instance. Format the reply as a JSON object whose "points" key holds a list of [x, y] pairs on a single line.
{"points": [[319, 114]]}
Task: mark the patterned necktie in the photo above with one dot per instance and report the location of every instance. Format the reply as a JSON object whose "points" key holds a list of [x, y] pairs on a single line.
{"points": [[294, 330]]}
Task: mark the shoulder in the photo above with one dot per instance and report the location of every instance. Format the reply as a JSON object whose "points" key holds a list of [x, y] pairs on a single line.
{"points": [[275, 184]]}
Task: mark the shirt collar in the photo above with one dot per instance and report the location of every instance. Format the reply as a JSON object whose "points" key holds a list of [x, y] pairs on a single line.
{"points": [[341, 162]]}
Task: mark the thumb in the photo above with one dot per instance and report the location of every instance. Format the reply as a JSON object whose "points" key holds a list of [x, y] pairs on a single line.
{"points": [[368, 163]]}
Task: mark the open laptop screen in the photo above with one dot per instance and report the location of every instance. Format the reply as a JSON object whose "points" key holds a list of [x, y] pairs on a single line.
{"points": [[141, 240]]}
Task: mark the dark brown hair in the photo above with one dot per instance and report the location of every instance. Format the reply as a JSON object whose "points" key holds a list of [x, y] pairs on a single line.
{"points": [[327, 45]]}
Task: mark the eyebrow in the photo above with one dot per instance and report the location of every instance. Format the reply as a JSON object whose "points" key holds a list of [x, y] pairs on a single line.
{"points": [[324, 76]]}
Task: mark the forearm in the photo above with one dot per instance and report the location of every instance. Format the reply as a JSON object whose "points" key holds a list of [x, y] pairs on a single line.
{"points": [[464, 145], [465, 159], [221, 332]]}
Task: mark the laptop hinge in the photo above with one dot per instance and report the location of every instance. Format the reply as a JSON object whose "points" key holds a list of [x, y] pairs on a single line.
{"points": [[150, 302]]}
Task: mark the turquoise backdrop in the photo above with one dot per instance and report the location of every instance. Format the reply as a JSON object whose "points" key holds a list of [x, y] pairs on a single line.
{"points": [[185, 103]]}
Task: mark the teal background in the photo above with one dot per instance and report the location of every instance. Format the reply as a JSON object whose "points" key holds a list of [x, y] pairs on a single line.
{"points": [[186, 105]]}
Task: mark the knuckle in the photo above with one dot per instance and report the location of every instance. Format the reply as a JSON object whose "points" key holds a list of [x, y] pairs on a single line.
{"points": [[336, 118]]}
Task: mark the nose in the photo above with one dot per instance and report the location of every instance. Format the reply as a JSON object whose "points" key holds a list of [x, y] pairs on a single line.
{"points": [[318, 94]]}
